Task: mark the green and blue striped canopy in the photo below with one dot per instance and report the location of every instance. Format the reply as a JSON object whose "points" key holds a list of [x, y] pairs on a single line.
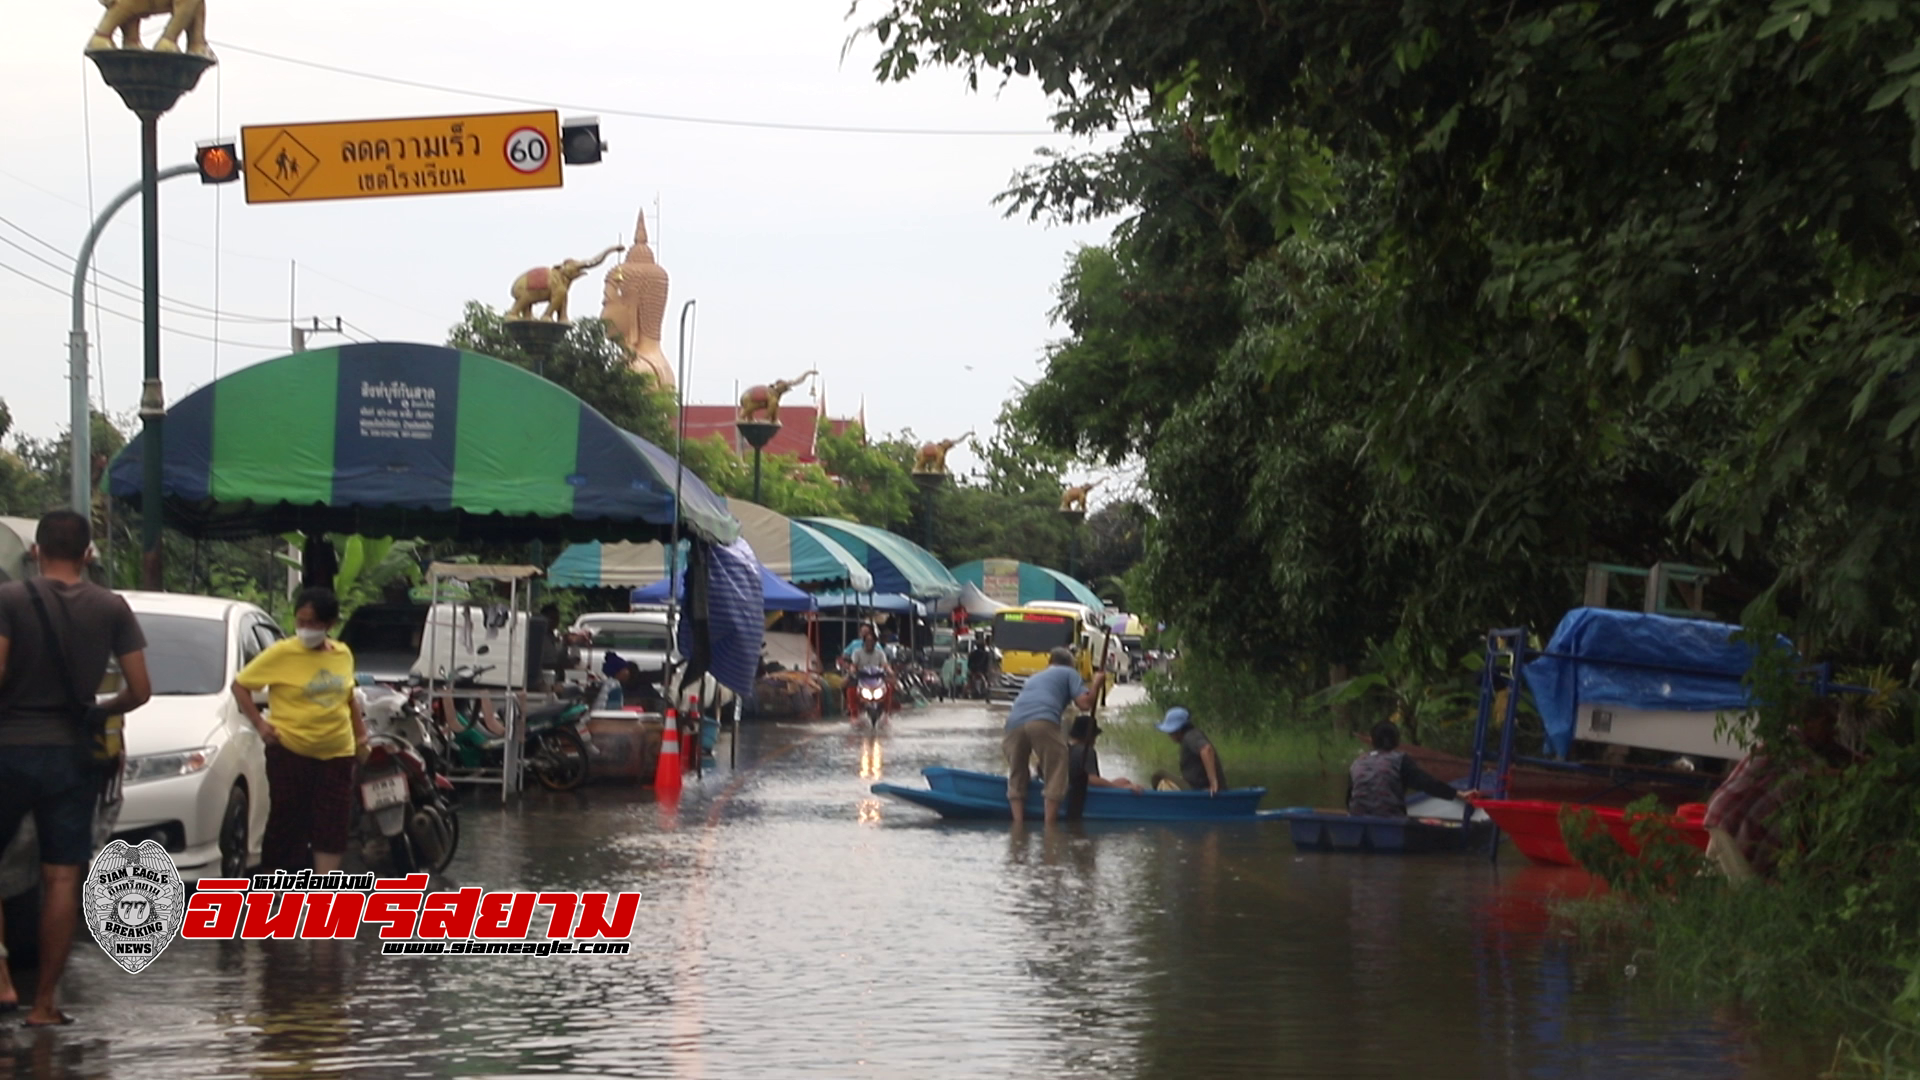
{"points": [[898, 564], [792, 551], [1012, 582], [393, 439]]}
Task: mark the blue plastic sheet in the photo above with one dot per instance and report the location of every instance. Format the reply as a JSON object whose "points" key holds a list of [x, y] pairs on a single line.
{"points": [[1605, 657], [732, 614]]}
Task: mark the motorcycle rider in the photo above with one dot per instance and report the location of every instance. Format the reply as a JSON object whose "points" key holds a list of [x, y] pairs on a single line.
{"points": [[862, 655]]}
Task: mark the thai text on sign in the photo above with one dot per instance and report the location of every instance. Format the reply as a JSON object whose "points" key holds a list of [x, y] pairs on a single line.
{"points": [[432, 155]]}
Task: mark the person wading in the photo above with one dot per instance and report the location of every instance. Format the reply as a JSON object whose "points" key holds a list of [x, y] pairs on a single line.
{"points": [[56, 634], [1033, 731], [314, 734]]}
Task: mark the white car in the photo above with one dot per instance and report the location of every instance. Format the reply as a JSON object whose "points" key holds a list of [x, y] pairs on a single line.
{"points": [[638, 636], [196, 776]]}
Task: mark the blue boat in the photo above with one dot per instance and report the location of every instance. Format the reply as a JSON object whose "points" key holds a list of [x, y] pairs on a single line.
{"points": [[1334, 830], [964, 794]]}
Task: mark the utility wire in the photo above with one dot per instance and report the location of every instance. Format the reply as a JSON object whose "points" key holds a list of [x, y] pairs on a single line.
{"points": [[165, 305], [57, 290], [717, 121], [211, 312]]}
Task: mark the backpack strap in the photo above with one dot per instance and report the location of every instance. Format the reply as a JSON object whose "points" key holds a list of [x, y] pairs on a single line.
{"points": [[57, 647]]}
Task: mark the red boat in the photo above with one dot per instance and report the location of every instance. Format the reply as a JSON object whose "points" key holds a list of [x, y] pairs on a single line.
{"points": [[1534, 827]]}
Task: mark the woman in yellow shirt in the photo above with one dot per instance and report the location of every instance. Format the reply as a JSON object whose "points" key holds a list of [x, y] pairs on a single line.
{"points": [[312, 737]]}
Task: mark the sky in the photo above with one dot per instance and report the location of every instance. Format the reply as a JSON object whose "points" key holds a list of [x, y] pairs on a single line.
{"points": [[878, 259]]}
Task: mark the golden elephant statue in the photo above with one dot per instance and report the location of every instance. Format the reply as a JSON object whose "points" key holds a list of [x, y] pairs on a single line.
{"points": [[932, 457], [762, 403], [1075, 498], [548, 285], [123, 16]]}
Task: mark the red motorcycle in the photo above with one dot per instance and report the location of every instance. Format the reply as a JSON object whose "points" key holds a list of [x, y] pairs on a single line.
{"points": [[870, 692]]}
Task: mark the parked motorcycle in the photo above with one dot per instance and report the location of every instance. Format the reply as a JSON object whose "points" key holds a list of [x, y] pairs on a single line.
{"points": [[556, 749], [403, 819]]}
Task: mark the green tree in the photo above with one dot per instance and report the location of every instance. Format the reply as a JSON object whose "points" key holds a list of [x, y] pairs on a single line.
{"points": [[875, 486], [590, 363]]}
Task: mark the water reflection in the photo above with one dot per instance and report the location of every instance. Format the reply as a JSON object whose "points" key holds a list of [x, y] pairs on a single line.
{"points": [[778, 938]]}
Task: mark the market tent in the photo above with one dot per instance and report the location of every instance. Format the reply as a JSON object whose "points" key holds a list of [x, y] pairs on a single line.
{"points": [[892, 603], [792, 550], [778, 595], [978, 604], [393, 439], [898, 564], [1012, 582]]}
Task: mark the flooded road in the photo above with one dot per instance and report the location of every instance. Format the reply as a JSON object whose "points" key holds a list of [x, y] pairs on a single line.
{"points": [[795, 925]]}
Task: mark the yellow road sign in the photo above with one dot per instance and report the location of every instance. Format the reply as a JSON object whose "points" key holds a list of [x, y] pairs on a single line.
{"points": [[429, 155]]}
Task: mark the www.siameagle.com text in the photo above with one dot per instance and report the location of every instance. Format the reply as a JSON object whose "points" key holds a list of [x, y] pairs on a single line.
{"points": [[505, 948]]}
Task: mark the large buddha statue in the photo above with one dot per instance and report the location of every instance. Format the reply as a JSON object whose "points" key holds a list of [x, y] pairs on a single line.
{"points": [[636, 305]]}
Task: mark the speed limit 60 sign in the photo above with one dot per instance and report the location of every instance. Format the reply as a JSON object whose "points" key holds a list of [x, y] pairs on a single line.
{"points": [[431, 155]]}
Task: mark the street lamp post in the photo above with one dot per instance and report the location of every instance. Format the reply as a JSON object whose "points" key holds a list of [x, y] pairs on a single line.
{"points": [[1074, 518], [80, 412], [758, 434], [150, 82], [929, 484]]}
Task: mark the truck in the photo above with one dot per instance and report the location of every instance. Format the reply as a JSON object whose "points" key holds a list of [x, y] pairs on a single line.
{"points": [[1026, 634]]}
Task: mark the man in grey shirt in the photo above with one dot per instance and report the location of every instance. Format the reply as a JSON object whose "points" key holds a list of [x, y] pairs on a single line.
{"points": [[43, 753]]}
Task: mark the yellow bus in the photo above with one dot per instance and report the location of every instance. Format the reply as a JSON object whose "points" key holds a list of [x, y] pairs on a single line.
{"points": [[1024, 636]]}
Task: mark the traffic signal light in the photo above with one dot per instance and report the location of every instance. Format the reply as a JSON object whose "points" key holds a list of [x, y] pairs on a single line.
{"points": [[218, 160], [580, 140]]}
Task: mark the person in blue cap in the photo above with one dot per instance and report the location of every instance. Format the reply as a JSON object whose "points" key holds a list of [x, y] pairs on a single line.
{"points": [[1200, 767]]}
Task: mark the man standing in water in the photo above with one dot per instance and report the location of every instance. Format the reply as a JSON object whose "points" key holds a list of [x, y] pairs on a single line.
{"points": [[57, 633], [1033, 730]]}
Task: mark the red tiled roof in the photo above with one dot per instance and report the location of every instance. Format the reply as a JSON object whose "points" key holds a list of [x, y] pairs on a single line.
{"points": [[798, 424]]}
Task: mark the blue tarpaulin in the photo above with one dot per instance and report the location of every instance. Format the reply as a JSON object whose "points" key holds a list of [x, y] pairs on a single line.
{"points": [[1604, 657], [725, 600]]}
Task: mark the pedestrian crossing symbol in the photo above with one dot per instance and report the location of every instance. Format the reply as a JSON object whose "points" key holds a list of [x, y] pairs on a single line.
{"points": [[286, 163]]}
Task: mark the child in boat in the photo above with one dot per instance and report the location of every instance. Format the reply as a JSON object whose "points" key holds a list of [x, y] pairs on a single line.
{"points": [[1377, 781], [1082, 758], [1200, 767]]}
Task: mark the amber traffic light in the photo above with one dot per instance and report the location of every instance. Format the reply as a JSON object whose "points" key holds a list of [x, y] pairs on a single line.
{"points": [[218, 160]]}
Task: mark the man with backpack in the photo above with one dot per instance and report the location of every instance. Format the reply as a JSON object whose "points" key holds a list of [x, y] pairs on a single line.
{"points": [[57, 633]]}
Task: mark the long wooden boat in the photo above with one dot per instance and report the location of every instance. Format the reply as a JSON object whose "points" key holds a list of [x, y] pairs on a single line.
{"points": [[965, 794], [1616, 788]]}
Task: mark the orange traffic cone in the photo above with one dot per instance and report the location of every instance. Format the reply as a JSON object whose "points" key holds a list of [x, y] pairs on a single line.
{"points": [[666, 773]]}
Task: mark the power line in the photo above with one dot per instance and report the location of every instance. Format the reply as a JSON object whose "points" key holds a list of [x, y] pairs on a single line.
{"points": [[212, 312], [68, 269], [716, 121], [57, 290]]}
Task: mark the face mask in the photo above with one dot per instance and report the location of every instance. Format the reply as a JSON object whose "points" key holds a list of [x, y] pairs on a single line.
{"points": [[312, 639]]}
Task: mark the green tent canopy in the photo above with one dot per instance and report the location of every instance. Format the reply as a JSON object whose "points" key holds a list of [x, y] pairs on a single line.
{"points": [[899, 566], [394, 439], [1012, 582]]}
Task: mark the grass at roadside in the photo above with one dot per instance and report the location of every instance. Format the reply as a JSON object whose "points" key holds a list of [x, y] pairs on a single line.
{"points": [[1257, 753]]}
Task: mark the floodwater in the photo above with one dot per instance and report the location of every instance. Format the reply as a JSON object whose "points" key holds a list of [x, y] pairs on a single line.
{"points": [[795, 925]]}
